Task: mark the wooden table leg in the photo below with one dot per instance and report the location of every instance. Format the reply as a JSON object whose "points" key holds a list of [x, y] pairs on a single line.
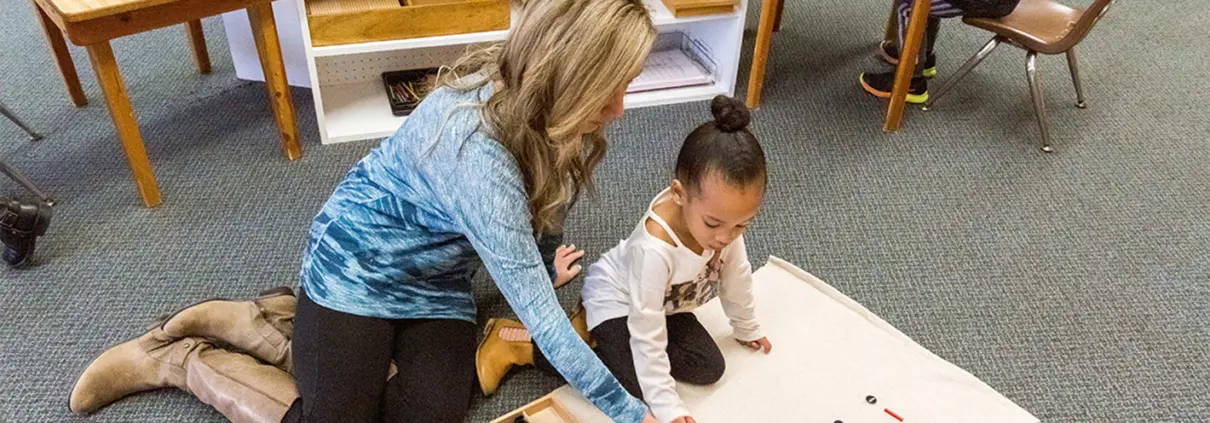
{"points": [[58, 49], [264, 31], [760, 57], [907, 65], [197, 40], [124, 122]]}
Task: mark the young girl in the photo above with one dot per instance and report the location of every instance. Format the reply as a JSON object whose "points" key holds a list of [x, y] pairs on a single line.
{"points": [[880, 84], [687, 249]]}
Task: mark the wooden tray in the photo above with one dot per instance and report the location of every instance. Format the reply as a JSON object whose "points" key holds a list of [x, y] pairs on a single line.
{"points": [[686, 8], [542, 410], [334, 22]]}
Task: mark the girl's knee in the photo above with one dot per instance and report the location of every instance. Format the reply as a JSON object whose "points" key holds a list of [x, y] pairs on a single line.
{"points": [[713, 372], [707, 372]]}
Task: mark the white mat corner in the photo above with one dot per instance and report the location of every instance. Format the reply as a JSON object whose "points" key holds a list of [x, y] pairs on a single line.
{"points": [[829, 353]]}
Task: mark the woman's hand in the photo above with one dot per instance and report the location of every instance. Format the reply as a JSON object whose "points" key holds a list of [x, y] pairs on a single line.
{"points": [[565, 270], [757, 345]]}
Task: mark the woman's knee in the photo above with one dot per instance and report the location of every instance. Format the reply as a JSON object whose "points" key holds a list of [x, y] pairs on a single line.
{"points": [[436, 373], [403, 402], [340, 363]]}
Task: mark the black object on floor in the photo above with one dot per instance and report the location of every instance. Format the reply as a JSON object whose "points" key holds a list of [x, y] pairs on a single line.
{"points": [[20, 226]]}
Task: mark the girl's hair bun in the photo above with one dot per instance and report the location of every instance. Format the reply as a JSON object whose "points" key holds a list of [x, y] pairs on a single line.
{"points": [[730, 115]]}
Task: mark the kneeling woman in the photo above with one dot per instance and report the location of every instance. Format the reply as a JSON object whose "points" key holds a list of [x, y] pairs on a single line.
{"points": [[482, 170]]}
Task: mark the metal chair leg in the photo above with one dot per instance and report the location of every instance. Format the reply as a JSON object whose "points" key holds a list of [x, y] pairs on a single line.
{"points": [[963, 71], [8, 114], [1075, 77], [1035, 91], [16, 175]]}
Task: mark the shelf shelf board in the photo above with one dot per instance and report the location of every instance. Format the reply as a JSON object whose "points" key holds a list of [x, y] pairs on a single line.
{"points": [[360, 111], [660, 17]]}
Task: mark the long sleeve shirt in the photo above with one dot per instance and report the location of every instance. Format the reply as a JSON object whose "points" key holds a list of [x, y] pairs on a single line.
{"points": [[406, 229], [644, 279]]}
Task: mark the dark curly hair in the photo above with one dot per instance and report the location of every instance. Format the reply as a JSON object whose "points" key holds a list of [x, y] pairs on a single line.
{"points": [[724, 146]]}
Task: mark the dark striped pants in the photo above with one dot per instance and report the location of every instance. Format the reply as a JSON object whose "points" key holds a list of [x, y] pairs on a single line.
{"points": [[939, 9]]}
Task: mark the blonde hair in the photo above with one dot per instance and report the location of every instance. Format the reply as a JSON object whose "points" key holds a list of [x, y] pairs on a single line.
{"points": [[560, 66]]}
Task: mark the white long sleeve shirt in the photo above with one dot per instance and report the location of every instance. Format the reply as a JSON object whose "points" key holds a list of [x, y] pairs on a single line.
{"points": [[645, 279]]}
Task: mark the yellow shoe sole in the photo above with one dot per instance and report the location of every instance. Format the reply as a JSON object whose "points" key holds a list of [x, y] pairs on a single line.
{"points": [[927, 73], [911, 98]]}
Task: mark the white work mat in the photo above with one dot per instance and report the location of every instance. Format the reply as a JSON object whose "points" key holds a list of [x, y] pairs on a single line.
{"points": [[829, 353]]}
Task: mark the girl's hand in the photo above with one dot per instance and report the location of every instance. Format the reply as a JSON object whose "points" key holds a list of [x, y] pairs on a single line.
{"points": [[649, 419], [757, 345], [684, 419], [565, 271]]}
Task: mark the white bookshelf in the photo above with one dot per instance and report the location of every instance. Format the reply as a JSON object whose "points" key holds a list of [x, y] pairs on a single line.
{"points": [[351, 104]]}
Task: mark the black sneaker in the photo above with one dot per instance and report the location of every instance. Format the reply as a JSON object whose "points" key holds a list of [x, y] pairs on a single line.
{"points": [[880, 84], [20, 225], [889, 52]]}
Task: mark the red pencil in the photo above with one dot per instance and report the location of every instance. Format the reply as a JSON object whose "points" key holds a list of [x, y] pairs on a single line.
{"points": [[892, 413]]}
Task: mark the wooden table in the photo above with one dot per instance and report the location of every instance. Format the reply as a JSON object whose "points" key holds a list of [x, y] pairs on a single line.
{"points": [[93, 23], [770, 20]]}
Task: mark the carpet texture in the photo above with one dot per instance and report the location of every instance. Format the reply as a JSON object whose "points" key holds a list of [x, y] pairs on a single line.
{"points": [[1075, 283]]}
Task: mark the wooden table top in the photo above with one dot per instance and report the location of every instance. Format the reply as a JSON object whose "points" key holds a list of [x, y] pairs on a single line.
{"points": [[82, 10]]}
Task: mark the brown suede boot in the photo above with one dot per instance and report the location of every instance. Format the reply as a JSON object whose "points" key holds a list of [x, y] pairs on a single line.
{"points": [[151, 361], [238, 386], [261, 327], [505, 344]]}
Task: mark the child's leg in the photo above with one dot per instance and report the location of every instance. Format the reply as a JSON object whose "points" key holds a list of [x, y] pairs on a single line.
{"points": [[938, 9], [694, 356], [613, 348], [881, 84]]}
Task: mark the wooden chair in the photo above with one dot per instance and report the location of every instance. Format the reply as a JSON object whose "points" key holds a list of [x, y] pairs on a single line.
{"points": [[93, 23], [1037, 26]]}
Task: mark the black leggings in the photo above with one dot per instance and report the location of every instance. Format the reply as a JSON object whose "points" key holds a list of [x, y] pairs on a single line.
{"points": [[694, 356], [341, 363]]}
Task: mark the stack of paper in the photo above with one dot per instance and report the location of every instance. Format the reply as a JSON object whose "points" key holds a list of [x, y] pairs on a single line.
{"points": [[671, 68], [677, 60]]}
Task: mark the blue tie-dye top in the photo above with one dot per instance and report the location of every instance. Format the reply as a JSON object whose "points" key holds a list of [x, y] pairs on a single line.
{"points": [[404, 232]]}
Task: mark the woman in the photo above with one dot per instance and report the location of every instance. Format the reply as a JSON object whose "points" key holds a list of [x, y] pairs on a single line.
{"points": [[480, 172]]}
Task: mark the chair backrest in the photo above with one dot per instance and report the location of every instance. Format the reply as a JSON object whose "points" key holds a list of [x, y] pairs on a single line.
{"points": [[1088, 19]]}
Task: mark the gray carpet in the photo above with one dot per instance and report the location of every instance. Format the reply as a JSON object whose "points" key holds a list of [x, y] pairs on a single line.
{"points": [[1076, 283]]}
